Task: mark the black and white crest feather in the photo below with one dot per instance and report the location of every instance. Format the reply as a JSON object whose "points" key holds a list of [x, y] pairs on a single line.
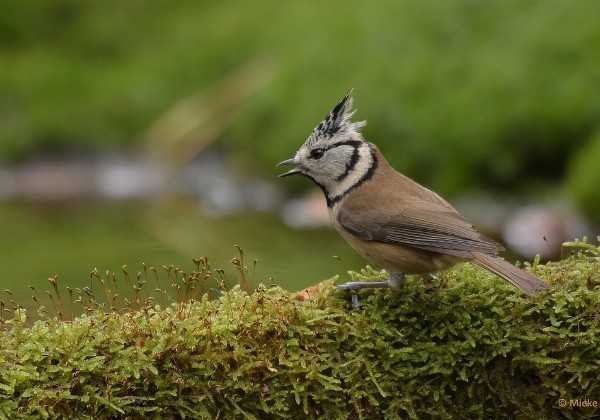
{"points": [[337, 122]]}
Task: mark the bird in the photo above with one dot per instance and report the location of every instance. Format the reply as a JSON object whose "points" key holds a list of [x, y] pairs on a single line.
{"points": [[391, 220]]}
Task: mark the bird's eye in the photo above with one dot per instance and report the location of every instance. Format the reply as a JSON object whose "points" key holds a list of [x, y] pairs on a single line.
{"points": [[317, 153]]}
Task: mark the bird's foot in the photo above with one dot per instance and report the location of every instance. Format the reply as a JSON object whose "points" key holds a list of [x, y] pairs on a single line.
{"points": [[396, 281]]}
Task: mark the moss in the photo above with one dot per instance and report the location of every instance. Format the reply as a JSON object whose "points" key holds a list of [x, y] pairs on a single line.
{"points": [[464, 346]]}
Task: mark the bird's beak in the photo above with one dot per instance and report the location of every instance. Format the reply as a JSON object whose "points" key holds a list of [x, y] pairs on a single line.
{"points": [[297, 170]]}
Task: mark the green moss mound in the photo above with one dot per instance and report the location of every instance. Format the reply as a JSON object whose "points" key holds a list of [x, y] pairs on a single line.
{"points": [[464, 346]]}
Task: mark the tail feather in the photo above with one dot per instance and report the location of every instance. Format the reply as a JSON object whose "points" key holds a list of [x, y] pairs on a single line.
{"points": [[527, 283]]}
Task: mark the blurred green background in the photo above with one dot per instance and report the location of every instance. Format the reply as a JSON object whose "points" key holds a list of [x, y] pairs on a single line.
{"points": [[467, 97]]}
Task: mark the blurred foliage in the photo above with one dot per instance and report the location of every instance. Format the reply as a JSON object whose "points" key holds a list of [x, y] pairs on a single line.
{"points": [[459, 93], [584, 177], [466, 346]]}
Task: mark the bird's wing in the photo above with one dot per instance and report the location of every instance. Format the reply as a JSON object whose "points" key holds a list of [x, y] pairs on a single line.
{"points": [[420, 224]]}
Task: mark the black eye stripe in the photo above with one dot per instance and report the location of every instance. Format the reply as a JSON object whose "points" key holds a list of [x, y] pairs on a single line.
{"points": [[355, 143], [319, 152]]}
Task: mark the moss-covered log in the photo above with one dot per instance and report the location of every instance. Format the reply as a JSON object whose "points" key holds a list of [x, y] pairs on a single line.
{"points": [[464, 346]]}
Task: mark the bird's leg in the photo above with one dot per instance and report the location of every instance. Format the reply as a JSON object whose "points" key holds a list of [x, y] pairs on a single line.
{"points": [[355, 304], [396, 281]]}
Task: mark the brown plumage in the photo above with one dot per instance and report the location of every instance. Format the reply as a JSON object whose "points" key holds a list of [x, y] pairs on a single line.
{"points": [[388, 218], [413, 230]]}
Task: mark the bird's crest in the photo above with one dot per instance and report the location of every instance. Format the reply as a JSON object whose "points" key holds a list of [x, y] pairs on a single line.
{"points": [[337, 122]]}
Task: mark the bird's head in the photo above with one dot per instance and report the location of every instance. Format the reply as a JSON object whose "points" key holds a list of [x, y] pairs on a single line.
{"points": [[335, 155]]}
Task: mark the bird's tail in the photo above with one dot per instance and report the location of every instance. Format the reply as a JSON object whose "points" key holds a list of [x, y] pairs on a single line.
{"points": [[527, 283]]}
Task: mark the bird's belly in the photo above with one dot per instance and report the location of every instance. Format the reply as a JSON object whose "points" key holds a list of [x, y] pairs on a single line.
{"points": [[399, 258]]}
